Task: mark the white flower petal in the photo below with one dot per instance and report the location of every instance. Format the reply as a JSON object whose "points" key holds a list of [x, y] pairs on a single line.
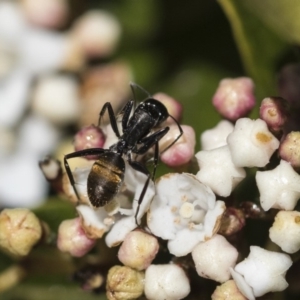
{"points": [[185, 241], [279, 188], [251, 143], [217, 136], [119, 231], [264, 270], [242, 285], [218, 171]]}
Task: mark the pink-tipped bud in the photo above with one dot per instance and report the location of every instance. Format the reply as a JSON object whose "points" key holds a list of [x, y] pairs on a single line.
{"points": [[289, 84], [183, 150], [89, 137], [72, 238], [234, 98], [173, 106], [289, 149], [275, 112], [138, 250]]}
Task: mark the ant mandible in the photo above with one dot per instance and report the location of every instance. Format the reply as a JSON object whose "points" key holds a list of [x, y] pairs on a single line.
{"points": [[107, 174]]}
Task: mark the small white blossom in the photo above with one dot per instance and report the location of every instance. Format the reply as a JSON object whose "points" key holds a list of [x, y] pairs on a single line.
{"points": [[251, 143], [166, 282], [217, 136], [218, 171], [184, 211], [264, 271], [285, 231], [212, 262], [279, 188]]}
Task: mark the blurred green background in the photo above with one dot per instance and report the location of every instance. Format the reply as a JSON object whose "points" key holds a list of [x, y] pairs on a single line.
{"points": [[182, 48]]}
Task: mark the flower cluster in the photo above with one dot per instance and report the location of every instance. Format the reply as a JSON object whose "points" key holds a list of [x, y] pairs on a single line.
{"points": [[194, 220]]}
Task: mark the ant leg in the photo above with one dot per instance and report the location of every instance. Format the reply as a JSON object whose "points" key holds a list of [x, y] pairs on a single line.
{"points": [[177, 138], [125, 112], [112, 117], [150, 140], [156, 155], [80, 153], [140, 168]]}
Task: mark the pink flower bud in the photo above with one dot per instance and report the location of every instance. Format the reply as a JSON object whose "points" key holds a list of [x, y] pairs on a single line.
{"points": [[89, 137], [138, 250], [234, 98], [72, 239], [275, 112], [173, 106], [183, 150], [289, 149]]}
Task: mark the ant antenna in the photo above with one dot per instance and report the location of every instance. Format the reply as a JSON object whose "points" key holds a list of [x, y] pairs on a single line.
{"points": [[134, 86]]}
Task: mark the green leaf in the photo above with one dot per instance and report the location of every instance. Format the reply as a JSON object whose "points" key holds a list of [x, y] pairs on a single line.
{"points": [[54, 211], [57, 292], [260, 48], [280, 15]]}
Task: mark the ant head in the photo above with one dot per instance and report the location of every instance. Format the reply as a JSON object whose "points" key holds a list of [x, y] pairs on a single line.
{"points": [[156, 109]]}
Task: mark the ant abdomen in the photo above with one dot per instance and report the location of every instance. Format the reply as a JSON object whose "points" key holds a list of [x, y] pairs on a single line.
{"points": [[105, 179]]}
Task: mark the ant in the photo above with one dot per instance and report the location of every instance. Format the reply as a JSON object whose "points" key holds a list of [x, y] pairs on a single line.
{"points": [[138, 122]]}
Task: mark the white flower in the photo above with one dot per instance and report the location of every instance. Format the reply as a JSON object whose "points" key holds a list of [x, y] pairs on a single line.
{"points": [[213, 258], [279, 188], [217, 136], [251, 143], [285, 231], [218, 171], [184, 211], [264, 271], [166, 282]]}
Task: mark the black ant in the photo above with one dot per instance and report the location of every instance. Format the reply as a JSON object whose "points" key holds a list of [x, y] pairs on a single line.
{"points": [[107, 174]]}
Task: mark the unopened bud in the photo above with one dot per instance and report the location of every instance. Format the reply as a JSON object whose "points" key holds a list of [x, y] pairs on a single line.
{"points": [[89, 137], [72, 238], [183, 150], [233, 220], [234, 98], [20, 230], [138, 250], [124, 283], [227, 291], [289, 149], [275, 112]]}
